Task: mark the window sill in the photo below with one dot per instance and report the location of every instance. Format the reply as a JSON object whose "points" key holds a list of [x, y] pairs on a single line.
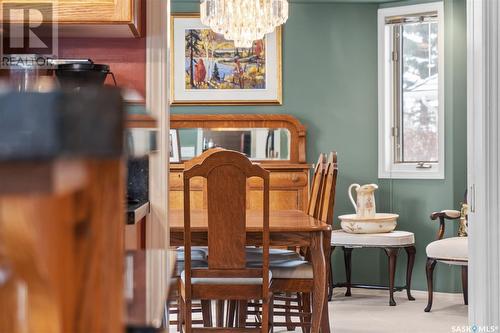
{"points": [[411, 172]]}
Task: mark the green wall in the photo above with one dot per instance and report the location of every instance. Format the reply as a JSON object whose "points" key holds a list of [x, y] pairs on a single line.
{"points": [[414, 200], [330, 84]]}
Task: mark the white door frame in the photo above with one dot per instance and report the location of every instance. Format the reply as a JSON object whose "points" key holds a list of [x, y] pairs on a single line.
{"points": [[157, 84], [483, 148]]}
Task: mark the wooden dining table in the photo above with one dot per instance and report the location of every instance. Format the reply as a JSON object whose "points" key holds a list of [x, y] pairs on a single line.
{"points": [[287, 228]]}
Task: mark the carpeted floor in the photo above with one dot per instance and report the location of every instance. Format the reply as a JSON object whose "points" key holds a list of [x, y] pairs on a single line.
{"points": [[367, 311]]}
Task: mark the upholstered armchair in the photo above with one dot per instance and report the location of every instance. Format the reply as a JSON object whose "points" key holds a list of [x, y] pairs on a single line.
{"points": [[452, 251]]}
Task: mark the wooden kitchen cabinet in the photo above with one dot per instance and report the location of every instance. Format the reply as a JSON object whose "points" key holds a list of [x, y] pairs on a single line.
{"points": [[135, 235], [289, 177], [90, 18]]}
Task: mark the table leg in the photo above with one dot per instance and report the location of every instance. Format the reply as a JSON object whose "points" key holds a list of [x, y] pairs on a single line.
{"points": [[348, 268], [392, 253], [410, 252], [325, 318], [330, 275], [319, 290]]}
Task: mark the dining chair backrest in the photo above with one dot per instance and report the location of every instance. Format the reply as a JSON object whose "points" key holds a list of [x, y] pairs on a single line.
{"points": [[317, 183], [198, 159], [329, 183], [226, 173]]}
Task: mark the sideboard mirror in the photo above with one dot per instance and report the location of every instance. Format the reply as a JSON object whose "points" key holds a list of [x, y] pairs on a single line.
{"points": [[261, 144], [276, 142], [266, 138]]}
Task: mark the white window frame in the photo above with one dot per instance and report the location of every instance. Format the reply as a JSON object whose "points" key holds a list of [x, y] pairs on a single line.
{"points": [[387, 168]]}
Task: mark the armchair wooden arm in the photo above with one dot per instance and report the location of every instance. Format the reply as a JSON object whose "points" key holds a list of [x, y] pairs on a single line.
{"points": [[443, 215]]}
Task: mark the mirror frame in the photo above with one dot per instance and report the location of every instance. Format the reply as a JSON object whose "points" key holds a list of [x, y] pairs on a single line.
{"points": [[273, 121]]}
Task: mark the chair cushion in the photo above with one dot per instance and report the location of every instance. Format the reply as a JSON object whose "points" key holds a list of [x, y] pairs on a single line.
{"points": [[197, 253], [288, 269], [452, 213], [254, 254], [226, 281], [394, 238], [198, 259], [179, 266], [292, 269], [449, 250]]}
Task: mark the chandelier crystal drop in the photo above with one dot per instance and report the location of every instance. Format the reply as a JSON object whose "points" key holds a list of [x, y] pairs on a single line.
{"points": [[243, 21]]}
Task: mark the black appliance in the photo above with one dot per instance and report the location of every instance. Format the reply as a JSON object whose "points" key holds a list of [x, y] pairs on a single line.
{"points": [[80, 74]]}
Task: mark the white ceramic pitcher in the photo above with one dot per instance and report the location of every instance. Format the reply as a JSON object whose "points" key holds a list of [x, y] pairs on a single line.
{"points": [[365, 200]]}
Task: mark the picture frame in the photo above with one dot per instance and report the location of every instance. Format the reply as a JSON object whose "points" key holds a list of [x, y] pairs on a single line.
{"points": [[214, 72], [174, 149]]}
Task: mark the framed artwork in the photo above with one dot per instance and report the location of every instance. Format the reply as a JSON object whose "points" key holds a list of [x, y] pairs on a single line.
{"points": [[207, 69], [174, 146]]}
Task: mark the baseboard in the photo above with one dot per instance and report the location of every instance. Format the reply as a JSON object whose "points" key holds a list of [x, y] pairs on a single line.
{"points": [[422, 293], [440, 294]]}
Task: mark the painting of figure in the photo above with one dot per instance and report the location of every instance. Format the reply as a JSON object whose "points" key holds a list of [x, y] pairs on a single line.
{"points": [[213, 62]]}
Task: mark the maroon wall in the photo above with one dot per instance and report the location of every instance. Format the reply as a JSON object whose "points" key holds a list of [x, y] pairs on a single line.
{"points": [[125, 56]]}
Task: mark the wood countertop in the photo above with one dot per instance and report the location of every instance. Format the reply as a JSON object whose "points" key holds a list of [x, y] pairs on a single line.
{"points": [[136, 212]]}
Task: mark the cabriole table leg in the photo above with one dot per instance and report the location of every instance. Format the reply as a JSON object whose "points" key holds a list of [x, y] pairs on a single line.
{"points": [[410, 252], [319, 291], [392, 253]]}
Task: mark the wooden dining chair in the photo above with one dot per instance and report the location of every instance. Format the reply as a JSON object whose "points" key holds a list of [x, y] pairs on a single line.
{"points": [[313, 208], [313, 205], [199, 260], [279, 256], [227, 276], [296, 276]]}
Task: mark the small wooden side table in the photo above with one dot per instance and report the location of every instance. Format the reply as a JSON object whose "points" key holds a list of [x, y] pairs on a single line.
{"points": [[391, 243]]}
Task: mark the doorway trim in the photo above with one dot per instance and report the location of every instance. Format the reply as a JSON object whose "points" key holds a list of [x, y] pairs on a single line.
{"points": [[157, 87], [483, 148], [157, 83]]}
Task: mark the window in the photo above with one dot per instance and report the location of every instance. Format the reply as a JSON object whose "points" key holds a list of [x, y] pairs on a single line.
{"points": [[411, 100]]}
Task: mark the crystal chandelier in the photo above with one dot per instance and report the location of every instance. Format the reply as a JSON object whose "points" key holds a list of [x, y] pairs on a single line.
{"points": [[243, 21]]}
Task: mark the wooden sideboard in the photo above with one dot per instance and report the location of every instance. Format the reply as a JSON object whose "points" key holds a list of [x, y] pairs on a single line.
{"points": [[289, 179]]}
